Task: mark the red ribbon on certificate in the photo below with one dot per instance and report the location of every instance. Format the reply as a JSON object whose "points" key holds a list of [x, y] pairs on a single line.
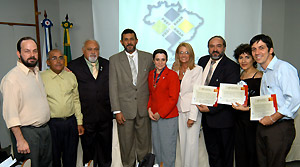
{"points": [[273, 98], [216, 90], [245, 87]]}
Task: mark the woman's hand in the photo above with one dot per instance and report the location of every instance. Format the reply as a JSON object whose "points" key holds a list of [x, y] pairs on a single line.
{"points": [[238, 106], [156, 116], [151, 115], [190, 123]]}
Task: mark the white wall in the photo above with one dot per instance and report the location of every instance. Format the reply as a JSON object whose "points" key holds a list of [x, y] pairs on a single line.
{"points": [[242, 22], [292, 33], [107, 33], [80, 14], [281, 22]]}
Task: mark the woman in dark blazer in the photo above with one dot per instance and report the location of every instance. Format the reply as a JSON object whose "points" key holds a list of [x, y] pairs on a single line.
{"points": [[164, 91]]}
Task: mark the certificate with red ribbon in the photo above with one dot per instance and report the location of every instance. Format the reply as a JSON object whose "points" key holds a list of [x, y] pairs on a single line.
{"points": [[262, 106], [232, 93]]}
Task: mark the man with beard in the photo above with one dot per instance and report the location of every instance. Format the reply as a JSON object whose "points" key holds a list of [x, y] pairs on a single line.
{"points": [[218, 122], [91, 72], [25, 107], [129, 94], [66, 118]]}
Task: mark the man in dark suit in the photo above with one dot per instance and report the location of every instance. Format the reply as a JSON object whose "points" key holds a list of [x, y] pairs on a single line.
{"points": [[218, 121], [129, 94], [92, 73]]}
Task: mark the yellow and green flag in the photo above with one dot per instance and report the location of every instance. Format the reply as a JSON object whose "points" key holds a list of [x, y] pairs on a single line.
{"points": [[67, 48]]}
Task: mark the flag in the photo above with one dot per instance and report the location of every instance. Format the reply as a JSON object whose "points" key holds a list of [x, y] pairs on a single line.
{"points": [[67, 48], [47, 24]]}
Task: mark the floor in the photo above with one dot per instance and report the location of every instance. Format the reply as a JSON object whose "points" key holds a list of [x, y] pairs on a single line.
{"points": [[293, 164]]}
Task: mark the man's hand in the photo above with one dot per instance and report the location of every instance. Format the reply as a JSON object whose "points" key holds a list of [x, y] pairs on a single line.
{"points": [[151, 115], [203, 108], [80, 130], [22, 145], [266, 121], [190, 123], [270, 120], [120, 118], [67, 69]]}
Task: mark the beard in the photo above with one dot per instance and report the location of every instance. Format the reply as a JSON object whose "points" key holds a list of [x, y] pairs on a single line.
{"points": [[93, 58], [216, 57], [27, 63], [129, 50]]}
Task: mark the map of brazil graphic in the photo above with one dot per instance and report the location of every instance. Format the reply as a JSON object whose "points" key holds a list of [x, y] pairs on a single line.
{"points": [[165, 24]]}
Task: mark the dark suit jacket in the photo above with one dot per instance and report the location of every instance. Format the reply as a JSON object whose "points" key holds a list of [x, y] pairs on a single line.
{"points": [[227, 71], [93, 93]]}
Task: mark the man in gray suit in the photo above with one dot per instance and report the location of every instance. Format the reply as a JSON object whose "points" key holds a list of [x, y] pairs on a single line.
{"points": [[129, 94]]}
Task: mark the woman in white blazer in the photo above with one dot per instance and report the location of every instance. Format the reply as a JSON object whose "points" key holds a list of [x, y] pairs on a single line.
{"points": [[189, 120]]}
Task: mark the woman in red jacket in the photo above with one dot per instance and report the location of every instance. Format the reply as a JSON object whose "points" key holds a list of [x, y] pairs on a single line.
{"points": [[164, 91]]}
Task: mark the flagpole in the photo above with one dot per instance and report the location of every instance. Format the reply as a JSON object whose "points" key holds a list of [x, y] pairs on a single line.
{"points": [[47, 24], [67, 48]]}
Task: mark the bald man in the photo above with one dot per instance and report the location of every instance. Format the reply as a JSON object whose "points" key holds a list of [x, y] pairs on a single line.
{"points": [[91, 72]]}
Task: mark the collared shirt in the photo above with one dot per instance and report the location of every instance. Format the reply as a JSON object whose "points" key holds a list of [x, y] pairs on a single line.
{"points": [[135, 59], [91, 66], [62, 94], [24, 98], [207, 67], [281, 78]]}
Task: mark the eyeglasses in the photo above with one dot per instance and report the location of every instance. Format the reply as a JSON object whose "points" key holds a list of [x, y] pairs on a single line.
{"points": [[186, 52], [57, 58]]}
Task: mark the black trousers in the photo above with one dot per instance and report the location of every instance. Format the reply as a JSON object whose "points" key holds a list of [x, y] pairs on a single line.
{"points": [[245, 143], [97, 143], [274, 143], [39, 141], [65, 138], [220, 145]]}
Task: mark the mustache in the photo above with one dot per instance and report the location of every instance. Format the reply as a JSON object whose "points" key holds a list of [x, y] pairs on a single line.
{"points": [[216, 52], [129, 45], [33, 58]]}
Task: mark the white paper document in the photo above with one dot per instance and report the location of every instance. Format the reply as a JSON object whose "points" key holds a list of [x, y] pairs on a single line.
{"points": [[8, 162], [262, 106], [205, 95], [232, 93]]}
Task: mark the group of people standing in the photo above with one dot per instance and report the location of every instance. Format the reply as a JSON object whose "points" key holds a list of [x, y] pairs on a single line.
{"points": [[152, 105], [227, 130]]}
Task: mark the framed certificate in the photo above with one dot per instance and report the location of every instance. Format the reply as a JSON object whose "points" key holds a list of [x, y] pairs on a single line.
{"points": [[262, 106], [205, 95], [232, 93]]}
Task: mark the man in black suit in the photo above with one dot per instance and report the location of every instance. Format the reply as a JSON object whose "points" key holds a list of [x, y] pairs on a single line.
{"points": [[218, 121], [91, 72]]}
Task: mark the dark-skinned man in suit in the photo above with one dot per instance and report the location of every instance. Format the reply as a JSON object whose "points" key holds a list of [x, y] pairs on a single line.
{"points": [[91, 72]]}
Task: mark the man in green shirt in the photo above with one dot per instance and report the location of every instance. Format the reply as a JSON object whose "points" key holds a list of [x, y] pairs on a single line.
{"points": [[66, 117]]}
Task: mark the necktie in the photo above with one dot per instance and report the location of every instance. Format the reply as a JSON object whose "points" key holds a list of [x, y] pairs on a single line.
{"points": [[133, 69], [95, 70], [209, 75]]}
